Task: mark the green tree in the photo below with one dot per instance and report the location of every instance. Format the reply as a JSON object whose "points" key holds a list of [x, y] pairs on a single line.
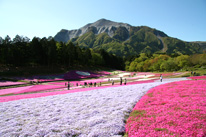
{"points": [[202, 61], [182, 61], [52, 53], [168, 65], [97, 59], [70, 52]]}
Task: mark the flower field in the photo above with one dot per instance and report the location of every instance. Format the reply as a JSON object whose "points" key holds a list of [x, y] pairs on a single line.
{"points": [[9, 83], [173, 109], [28, 89], [37, 88], [13, 90], [198, 77], [98, 112], [55, 91]]}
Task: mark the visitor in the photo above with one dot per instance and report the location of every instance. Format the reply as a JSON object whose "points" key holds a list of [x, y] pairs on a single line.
{"points": [[160, 77], [90, 84], [125, 81], [77, 84], [95, 84], [112, 82], [68, 85], [120, 80]]}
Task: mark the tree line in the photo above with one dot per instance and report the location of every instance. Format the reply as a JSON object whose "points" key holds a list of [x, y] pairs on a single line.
{"points": [[164, 62], [47, 52], [21, 51]]}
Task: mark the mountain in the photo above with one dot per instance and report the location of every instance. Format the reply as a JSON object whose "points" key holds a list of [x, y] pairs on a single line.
{"points": [[98, 27], [125, 40]]}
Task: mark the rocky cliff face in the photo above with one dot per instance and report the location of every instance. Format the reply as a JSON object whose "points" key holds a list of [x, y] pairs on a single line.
{"points": [[100, 26]]}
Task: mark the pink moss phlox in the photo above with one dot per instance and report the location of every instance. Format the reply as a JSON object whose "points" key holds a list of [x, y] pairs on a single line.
{"points": [[63, 91], [174, 109], [10, 83], [37, 88], [13, 90], [197, 77], [27, 89], [104, 73], [144, 73]]}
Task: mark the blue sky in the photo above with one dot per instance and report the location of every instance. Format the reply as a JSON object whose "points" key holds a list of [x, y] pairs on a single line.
{"points": [[182, 19]]}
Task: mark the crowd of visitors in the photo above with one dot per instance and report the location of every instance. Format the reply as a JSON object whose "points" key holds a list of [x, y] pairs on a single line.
{"points": [[90, 84]]}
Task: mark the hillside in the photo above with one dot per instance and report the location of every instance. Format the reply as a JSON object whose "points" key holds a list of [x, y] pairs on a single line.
{"points": [[125, 40]]}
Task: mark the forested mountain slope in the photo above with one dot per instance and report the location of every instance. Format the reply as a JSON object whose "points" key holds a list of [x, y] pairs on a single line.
{"points": [[125, 40]]}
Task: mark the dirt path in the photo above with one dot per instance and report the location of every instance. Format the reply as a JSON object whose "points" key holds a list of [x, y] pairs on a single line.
{"points": [[165, 48]]}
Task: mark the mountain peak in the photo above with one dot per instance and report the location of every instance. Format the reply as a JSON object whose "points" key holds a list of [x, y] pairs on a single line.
{"points": [[100, 26], [106, 23], [103, 22]]}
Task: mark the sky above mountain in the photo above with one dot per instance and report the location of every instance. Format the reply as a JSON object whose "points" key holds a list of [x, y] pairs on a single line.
{"points": [[183, 19]]}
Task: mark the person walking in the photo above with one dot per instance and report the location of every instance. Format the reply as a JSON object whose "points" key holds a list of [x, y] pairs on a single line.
{"points": [[161, 78], [112, 82], [68, 86], [120, 80], [125, 81]]}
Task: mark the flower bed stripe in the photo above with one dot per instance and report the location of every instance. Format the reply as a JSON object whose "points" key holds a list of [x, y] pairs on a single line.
{"points": [[13, 90], [197, 77], [174, 109], [61, 91], [10, 83], [38, 88], [27, 89]]}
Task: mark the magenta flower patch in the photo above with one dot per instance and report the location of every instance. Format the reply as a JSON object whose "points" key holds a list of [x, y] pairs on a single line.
{"points": [[197, 77], [38, 88], [174, 109], [27, 89], [13, 90], [9, 83]]}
